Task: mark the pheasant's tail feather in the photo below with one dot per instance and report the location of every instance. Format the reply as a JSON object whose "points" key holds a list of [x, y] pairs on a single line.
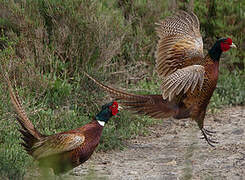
{"points": [[29, 132], [151, 105], [28, 140], [117, 94]]}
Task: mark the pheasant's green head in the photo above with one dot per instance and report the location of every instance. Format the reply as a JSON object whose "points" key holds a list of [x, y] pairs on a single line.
{"points": [[108, 110], [221, 45]]}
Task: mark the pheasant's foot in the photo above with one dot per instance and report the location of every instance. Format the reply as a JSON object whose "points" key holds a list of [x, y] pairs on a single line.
{"points": [[207, 133]]}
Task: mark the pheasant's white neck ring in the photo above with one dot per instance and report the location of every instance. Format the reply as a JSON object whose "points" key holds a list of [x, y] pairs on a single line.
{"points": [[102, 123]]}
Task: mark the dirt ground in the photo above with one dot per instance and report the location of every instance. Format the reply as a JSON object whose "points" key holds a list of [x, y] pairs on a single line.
{"points": [[174, 150]]}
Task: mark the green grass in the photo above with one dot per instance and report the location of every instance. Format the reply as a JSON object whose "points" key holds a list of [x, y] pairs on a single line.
{"points": [[230, 89]]}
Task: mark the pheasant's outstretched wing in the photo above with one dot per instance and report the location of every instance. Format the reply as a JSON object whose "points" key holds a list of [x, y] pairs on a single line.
{"points": [[183, 80], [180, 44], [57, 144]]}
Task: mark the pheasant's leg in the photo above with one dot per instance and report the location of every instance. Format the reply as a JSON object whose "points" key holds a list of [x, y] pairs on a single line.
{"points": [[205, 134], [208, 132], [199, 119]]}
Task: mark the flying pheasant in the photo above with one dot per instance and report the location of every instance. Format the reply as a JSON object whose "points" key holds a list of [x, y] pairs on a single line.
{"points": [[66, 150], [188, 77]]}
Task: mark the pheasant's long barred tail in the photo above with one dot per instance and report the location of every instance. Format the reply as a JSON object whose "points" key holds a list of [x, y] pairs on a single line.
{"points": [[28, 129], [117, 94], [151, 105]]}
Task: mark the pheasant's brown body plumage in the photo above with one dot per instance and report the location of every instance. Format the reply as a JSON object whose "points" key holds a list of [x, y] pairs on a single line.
{"points": [[196, 102], [188, 77], [65, 161], [66, 150]]}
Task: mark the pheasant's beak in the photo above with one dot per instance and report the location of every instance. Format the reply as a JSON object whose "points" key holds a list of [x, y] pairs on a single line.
{"points": [[233, 45], [120, 107]]}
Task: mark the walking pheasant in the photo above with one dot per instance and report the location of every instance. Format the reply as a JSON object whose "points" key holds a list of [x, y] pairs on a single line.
{"points": [[66, 150]]}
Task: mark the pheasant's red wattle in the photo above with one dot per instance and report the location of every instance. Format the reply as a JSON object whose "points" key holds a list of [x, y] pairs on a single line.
{"points": [[114, 111], [229, 41], [114, 108], [224, 46]]}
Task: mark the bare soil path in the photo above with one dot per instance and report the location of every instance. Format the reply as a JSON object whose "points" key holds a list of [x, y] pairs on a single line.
{"points": [[174, 151]]}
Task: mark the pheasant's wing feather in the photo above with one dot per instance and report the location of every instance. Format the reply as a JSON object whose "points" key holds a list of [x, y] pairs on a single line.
{"points": [[183, 80], [180, 43], [57, 144]]}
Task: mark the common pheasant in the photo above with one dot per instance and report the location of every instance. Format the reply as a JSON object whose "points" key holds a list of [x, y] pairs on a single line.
{"points": [[66, 150], [188, 77]]}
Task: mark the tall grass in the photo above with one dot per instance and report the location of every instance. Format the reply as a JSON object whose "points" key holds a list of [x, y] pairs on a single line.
{"points": [[45, 45]]}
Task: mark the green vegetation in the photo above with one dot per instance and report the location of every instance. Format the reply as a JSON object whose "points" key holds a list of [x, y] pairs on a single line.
{"points": [[45, 45]]}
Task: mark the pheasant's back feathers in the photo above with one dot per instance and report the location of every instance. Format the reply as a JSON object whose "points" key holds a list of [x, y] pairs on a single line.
{"points": [[57, 144]]}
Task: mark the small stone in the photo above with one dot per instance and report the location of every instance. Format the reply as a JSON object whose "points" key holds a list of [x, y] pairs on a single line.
{"points": [[171, 163], [238, 131], [133, 172]]}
